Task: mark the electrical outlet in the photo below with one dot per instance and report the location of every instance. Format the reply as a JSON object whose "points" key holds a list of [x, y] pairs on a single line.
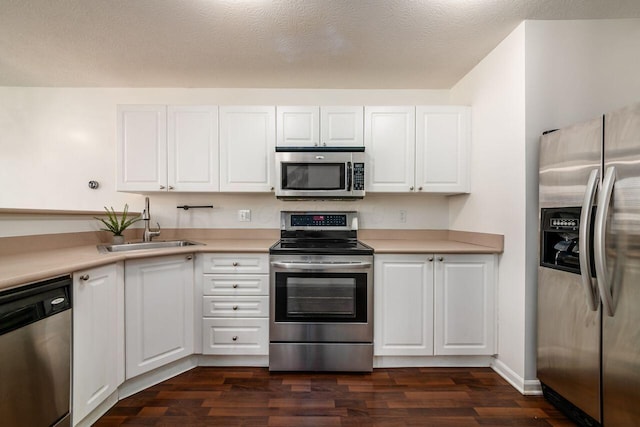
{"points": [[403, 216], [244, 215]]}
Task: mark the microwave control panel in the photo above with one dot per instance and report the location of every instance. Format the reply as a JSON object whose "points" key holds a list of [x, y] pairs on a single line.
{"points": [[358, 176]]}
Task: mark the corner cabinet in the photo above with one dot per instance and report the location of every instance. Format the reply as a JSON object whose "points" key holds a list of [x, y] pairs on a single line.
{"points": [[167, 148], [434, 304], [98, 337], [159, 312], [422, 149], [247, 147], [320, 126]]}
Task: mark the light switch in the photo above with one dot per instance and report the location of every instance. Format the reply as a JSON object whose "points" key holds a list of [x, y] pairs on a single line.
{"points": [[244, 215]]}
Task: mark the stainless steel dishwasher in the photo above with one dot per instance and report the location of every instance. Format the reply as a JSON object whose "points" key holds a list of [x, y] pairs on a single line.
{"points": [[35, 354]]}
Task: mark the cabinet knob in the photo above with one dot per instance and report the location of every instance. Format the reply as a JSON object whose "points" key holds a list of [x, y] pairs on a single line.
{"points": [[235, 264], [419, 188], [235, 285], [411, 188], [235, 307], [272, 188], [84, 277], [235, 338], [430, 259], [440, 258], [189, 257], [324, 144], [162, 187], [171, 187], [315, 144]]}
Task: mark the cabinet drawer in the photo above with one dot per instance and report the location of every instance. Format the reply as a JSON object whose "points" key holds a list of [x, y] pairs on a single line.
{"points": [[214, 284], [235, 306], [235, 336], [235, 263]]}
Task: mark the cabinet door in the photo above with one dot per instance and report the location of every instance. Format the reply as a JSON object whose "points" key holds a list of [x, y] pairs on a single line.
{"points": [[298, 127], [465, 319], [342, 126], [442, 149], [403, 312], [158, 312], [193, 148], [142, 148], [247, 148], [389, 139], [98, 337]]}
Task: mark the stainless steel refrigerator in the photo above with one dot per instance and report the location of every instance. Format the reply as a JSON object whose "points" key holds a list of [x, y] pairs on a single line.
{"points": [[589, 270]]}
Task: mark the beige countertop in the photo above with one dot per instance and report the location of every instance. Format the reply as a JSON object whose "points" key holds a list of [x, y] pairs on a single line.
{"points": [[42, 262]]}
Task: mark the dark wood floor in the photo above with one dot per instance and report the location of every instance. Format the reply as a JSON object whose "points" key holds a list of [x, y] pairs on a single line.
{"points": [[441, 397]]}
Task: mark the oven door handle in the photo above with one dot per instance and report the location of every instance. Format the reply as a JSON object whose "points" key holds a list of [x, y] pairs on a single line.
{"points": [[320, 265]]}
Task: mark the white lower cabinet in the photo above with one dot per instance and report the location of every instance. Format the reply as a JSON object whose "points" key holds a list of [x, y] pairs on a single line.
{"points": [[159, 312], [434, 304], [464, 305], [403, 311], [98, 337], [235, 304]]}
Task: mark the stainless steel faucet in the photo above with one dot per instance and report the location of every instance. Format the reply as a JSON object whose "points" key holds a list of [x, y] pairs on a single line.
{"points": [[146, 216]]}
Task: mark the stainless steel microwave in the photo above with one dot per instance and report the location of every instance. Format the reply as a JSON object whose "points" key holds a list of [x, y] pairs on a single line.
{"points": [[320, 173]]}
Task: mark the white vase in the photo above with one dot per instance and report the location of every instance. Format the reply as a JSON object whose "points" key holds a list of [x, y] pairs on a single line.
{"points": [[118, 240]]}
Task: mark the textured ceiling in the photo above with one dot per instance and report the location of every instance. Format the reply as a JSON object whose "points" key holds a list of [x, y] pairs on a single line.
{"points": [[391, 44]]}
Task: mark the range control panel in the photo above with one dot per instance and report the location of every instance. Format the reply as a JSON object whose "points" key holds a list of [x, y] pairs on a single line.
{"points": [[358, 176], [319, 220]]}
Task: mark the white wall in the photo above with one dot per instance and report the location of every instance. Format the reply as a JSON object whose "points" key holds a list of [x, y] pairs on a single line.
{"points": [[575, 71], [55, 140], [545, 75], [495, 89]]}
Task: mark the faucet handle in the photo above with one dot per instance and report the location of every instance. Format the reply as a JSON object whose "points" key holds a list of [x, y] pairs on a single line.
{"points": [[158, 229]]}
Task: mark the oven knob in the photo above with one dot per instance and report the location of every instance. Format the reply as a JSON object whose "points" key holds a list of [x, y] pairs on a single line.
{"points": [[235, 338]]}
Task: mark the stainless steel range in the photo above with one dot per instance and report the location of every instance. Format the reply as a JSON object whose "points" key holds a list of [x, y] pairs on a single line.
{"points": [[321, 295]]}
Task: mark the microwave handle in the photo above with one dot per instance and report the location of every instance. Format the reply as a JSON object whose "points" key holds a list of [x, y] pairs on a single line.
{"points": [[349, 173]]}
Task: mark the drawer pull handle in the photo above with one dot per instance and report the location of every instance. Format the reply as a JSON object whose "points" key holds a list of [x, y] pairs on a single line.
{"points": [[235, 307], [235, 338], [235, 285], [84, 277], [235, 264]]}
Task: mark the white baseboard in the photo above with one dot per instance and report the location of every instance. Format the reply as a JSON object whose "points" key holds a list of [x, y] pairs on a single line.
{"points": [[431, 361], [251, 361], [99, 411], [525, 387], [141, 382]]}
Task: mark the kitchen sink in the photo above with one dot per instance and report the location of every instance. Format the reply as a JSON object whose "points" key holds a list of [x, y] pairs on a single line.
{"points": [[137, 246]]}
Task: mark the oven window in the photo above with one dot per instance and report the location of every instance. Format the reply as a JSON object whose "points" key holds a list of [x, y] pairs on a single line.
{"points": [[313, 176], [321, 297]]}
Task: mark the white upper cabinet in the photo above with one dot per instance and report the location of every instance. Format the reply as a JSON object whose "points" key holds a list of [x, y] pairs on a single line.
{"points": [[320, 126], [142, 148], [247, 147], [418, 149], [164, 148], [442, 148], [389, 139], [193, 148]]}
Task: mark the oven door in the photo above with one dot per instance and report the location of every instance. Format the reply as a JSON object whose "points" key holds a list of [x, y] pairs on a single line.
{"points": [[321, 299]]}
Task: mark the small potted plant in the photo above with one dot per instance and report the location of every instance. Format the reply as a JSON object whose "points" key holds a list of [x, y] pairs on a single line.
{"points": [[117, 225]]}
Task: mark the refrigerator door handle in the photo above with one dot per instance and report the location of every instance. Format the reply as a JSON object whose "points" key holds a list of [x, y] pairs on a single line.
{"points": [[585, 242], [600, 229]]}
